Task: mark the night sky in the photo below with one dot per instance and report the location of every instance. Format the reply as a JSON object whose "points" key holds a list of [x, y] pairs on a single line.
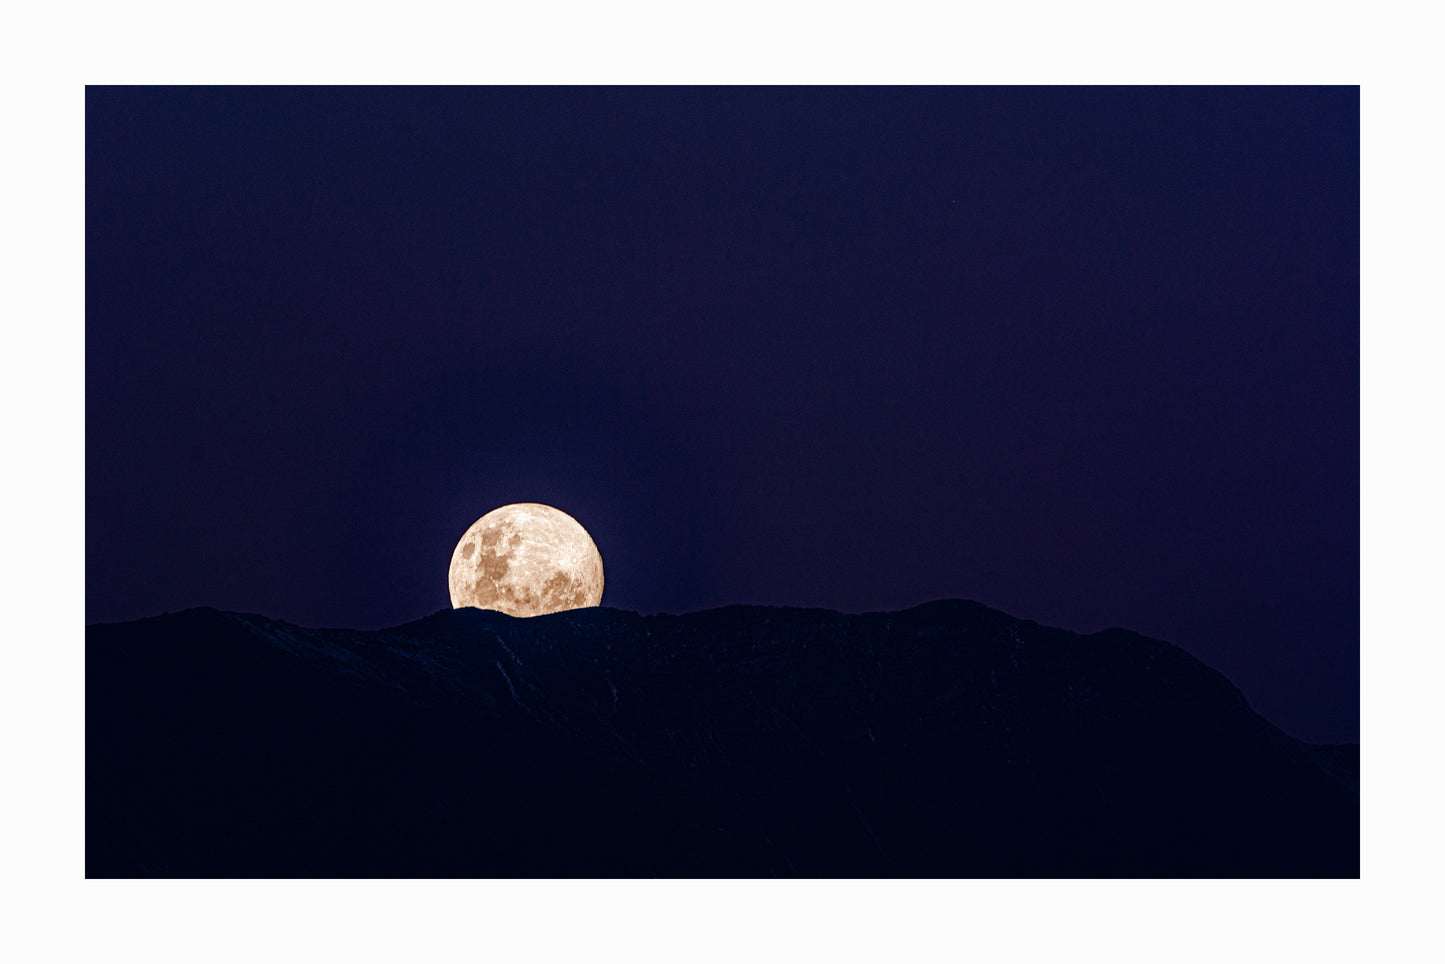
{"points": [[1089, 356]]}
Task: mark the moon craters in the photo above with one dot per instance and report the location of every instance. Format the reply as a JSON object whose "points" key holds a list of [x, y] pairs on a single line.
{"points": [[526, 559]]}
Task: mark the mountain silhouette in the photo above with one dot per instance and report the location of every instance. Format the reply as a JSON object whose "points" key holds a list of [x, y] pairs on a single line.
{"points": [[947, 740]]}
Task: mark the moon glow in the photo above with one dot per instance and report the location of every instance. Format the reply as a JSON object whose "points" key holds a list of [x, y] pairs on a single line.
{"points": [[526, 559]]}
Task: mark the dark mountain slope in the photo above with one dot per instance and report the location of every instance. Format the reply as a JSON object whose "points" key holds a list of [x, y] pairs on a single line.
{"points": [[946, 740]]}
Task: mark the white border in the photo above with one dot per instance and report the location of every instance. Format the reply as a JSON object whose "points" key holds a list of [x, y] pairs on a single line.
{"points": [[55, 50]]}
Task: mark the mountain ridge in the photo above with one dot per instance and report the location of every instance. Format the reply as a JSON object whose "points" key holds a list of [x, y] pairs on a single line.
{"points": [[947, 739]]}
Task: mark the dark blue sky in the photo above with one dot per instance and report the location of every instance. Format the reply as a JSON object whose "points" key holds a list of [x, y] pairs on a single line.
{"points": [[1090, 356]]}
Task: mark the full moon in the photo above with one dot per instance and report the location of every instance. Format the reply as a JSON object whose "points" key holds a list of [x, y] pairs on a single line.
{"points": [[526, 559]]}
